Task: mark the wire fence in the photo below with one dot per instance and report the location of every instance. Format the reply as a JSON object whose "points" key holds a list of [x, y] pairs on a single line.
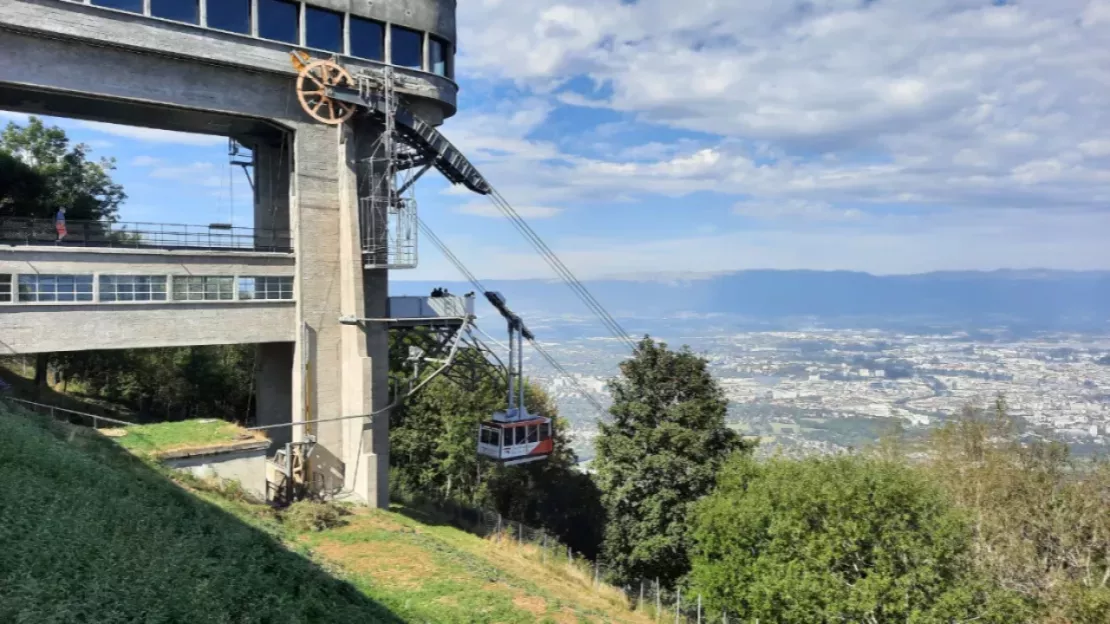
{"points": [[27, 231], [649, 596], [60, 413]]}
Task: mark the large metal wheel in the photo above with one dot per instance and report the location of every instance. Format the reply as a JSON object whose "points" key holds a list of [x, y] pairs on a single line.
{"points": [[312, 90]]}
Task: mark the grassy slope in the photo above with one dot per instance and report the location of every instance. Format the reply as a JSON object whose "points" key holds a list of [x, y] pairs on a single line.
{"points": [[90, 533], [186, 434]]}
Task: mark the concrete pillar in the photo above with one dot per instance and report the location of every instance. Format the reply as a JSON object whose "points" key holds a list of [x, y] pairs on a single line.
{"points": [[364, 349], [274, 389], [272, 166]]}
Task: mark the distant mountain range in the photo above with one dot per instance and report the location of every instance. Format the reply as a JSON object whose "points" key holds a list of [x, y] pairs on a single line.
{"points": [[1028, 299]]}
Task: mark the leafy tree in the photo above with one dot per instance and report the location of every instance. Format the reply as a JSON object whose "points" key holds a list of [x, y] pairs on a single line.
{"points": [[844, 539], [1041, 520], [433, 438], [40, 172], [168, 384], [659, 454]]}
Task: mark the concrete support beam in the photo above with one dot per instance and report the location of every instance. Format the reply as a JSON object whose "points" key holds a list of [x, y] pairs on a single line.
{"points": [[273, 375], [272, 165]]}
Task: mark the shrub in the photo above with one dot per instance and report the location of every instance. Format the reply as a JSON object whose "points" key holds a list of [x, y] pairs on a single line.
{"points": [[315, 516], [838, 539]]}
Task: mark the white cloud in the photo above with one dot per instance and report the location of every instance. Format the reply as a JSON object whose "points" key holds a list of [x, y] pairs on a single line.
{"points": [[795, 209], [942, 100], [152, 135]]}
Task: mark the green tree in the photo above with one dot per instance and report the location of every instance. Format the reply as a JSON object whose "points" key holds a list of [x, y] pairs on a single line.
{"points": [[1041, 519], [40, 172], [845, 539], [659, 454], [433, 452]]}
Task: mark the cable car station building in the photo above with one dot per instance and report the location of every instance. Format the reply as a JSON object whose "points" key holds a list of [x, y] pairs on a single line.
{"points": [[222, 67]]}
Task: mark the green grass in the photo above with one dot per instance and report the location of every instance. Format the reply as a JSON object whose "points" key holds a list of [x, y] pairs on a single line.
{"points": [[186, 434], [92, 533]]}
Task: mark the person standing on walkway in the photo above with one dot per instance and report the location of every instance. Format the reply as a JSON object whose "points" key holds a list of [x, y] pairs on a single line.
{"points": [[60, 223]]}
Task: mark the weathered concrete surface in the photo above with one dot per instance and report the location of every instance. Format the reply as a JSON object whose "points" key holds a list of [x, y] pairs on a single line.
{"points": [[274, 387], [85, 261], [45, 328], [203, 49], [244, 463]]}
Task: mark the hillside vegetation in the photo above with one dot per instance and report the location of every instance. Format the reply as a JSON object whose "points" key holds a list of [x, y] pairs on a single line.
{"points": [[92, 533]]}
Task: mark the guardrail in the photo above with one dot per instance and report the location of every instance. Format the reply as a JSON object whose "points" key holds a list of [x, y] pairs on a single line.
{"points": [[27, 231], [53, 411]]}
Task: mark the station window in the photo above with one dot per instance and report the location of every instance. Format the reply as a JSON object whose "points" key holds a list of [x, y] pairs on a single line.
{"points": [[178, 10], [230, 15], [407, 48], [323, 30], [135, 6], [268, 288], [367, 39], [279, 20], [533, 434], [439, 56], [5, 288], [205, 288], [132, 288], [55, 288]]}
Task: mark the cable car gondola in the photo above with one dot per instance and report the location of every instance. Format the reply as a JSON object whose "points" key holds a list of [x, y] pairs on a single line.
{"points": [[514, 436]]}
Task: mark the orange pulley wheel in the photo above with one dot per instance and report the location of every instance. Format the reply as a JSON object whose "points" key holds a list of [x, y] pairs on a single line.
{"points": [[312, 90]]}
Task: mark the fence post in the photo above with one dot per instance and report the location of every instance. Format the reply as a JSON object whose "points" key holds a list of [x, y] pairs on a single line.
{"points": [[52, 416], [677, 605], [658, 600], [570, 557], [499, 526], [640, 605], [543, 549], [699, 608], [597, 575]]}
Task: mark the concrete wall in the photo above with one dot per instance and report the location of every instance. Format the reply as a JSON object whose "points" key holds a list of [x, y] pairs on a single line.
{"points": [[79, 260], [247, 467], [126, 30], [44, 328]]}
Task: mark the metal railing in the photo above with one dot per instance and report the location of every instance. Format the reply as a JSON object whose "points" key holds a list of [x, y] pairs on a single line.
{"points": [[27, 231], [56, 412]]}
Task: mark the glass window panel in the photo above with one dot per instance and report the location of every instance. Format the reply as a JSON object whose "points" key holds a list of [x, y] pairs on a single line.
{"points": [[5, 288], [407, 48], [177, 10], [367, 39], [533, 434], [135, 6], [246, 288], [521, 435], [278, 20], [323, 29], [230, 15], [437, 56]]}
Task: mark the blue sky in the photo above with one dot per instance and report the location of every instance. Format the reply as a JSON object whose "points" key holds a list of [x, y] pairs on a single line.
{"points": [[890, 136]]}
